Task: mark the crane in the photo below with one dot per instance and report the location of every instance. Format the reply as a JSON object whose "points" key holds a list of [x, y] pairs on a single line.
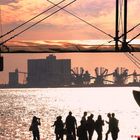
{"points": [[135, 76], [80, 76], [120, 76], [24, 74], [100, 76]]}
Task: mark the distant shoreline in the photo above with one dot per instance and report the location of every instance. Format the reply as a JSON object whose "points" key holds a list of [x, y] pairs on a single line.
{"points": [[89, 86]]}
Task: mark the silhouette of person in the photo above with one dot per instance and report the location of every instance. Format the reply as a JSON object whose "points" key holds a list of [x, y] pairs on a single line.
{"points": [[84, 117], [98, 127], [34, 128], [59, 128], [114, 127], [82, 131], [90, 126], [109, 125], [71, 124]]}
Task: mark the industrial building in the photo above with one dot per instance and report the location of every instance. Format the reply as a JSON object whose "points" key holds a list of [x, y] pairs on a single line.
{"points": [[49, 72], [13, 78]]}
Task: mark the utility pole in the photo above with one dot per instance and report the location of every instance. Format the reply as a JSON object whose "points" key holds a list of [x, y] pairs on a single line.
{"points": [[125, 47], [0, 27], [117, 26], [1, 58]]}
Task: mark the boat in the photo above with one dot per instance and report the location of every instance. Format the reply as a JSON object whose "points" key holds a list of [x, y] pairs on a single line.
{"points": [[136, 95]]}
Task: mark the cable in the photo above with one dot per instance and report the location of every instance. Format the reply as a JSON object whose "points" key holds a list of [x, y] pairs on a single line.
{"points": [[88, 22], [132, 60], [82, 20], [135, 57], [137, 61], [131, 29], [37, 22], [103, 44], [30, 19], [134, 38]]}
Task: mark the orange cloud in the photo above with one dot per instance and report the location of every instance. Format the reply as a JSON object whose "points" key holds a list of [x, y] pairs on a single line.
{"points": [[64, 26]]}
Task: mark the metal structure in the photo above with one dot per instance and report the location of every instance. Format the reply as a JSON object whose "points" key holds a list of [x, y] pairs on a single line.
{"points": [[77, 77], [1, 58], [1, 63], [14, 77], [120, 76], [100, 76], [117, 26], [86, 78], [125, 45], [80, 77], [136, 78]]}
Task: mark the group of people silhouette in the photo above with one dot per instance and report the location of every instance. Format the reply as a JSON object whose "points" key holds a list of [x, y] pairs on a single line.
{"points": [[84, 131]]}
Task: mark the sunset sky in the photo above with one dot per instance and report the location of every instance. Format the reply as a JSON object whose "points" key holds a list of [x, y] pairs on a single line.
{"points": [[62, 26]]}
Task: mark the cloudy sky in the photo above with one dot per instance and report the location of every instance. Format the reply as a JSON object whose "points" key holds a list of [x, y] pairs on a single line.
{"points": [[63, 26]]}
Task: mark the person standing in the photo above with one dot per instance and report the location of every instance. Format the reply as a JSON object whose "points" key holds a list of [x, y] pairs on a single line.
{"points": [[82, 131], [59, 128], [109, 125], [114, 127], [34, 128], [98, 127], [90, 126], [71, 125], [84, 119]]}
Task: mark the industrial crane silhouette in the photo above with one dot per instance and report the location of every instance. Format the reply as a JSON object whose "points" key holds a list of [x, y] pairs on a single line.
{"points": [[24, 75], [86, 78], [80, 77], [136, 78], [101, 74], [120, 76]]}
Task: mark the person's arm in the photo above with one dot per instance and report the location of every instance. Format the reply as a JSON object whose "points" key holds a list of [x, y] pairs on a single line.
{"points": [[107, 122], [53, 124], [75, 122], [103, 122], [39, 123]]}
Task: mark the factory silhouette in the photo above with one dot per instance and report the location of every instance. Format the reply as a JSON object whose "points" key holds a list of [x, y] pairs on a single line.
{"points": [[53, 72]]}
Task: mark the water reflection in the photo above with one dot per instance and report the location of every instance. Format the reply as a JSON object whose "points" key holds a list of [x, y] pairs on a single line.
{"points": [[17, 107]]}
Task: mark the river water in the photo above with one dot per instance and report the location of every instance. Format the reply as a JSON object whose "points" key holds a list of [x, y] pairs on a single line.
{"points": [[18, 106]]}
